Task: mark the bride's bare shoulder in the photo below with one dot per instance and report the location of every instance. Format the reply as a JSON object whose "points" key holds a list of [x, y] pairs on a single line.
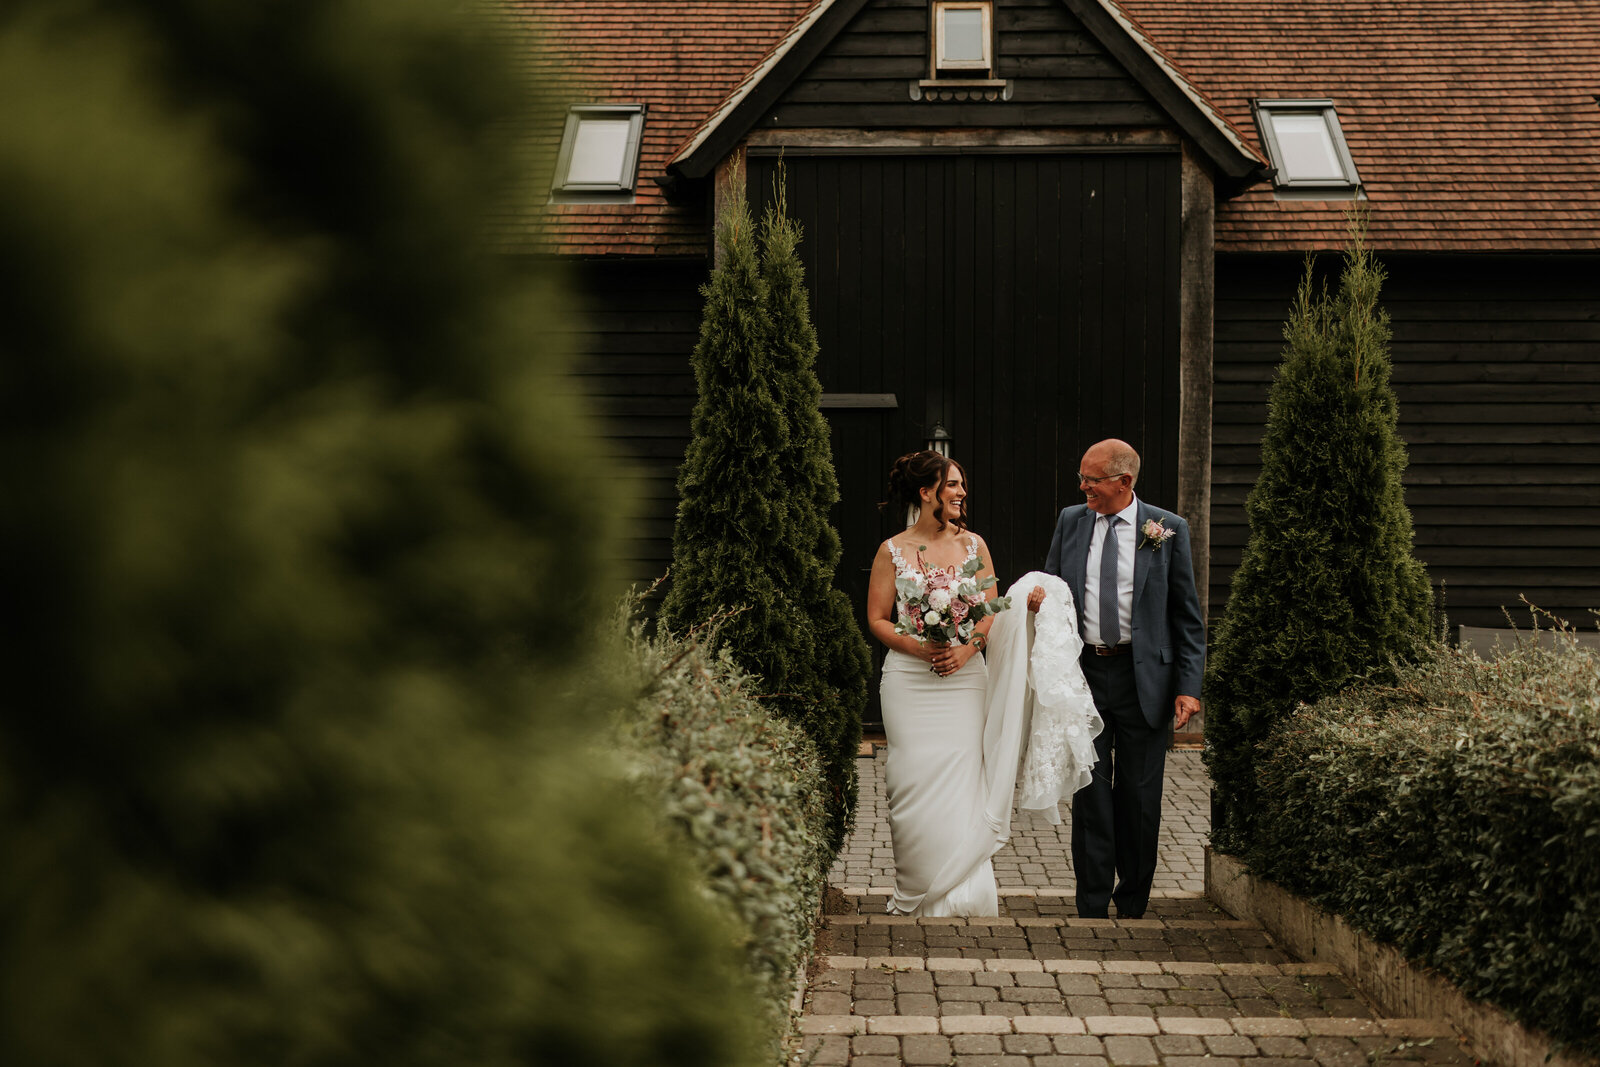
{"points": [[901, 543]]}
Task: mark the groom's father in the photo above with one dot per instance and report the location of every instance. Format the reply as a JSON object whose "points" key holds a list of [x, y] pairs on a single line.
{"points": [[1129, 566]]}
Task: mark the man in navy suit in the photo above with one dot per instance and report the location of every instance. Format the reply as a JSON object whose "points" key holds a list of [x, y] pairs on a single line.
{"points": [[1130, 568]]}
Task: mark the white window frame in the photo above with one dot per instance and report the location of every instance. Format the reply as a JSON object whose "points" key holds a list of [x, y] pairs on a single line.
{"points": [[984, 65], [1268, 110], [576, 115]]}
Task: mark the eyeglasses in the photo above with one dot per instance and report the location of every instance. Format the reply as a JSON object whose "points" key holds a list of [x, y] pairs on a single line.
{"points": [[1084, 479]]}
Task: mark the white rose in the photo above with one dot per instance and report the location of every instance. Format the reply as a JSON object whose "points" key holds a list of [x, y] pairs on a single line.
{"points": [[939, 599], [931, 618]]}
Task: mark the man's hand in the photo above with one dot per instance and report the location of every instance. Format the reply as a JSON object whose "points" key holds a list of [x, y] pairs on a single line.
{"points": [[1184, 708], [1035, 598]]}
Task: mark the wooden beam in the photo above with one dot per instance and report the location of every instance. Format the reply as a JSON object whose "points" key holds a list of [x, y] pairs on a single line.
{"points": [[874, 401], [1197, 286], [1163, 85], [730, 128], [770, 140]]}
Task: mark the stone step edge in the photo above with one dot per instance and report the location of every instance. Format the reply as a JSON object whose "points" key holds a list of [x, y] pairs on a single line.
{"points": [[1023, 891], [1125, 1025], [1042, 920], [1174, 967]]}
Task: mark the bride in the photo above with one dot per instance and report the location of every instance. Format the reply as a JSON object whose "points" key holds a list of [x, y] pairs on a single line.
{"points": [[956, 735]]}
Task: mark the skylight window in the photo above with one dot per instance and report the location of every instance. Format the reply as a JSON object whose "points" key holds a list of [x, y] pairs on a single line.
{"points": [[1306, 144], [963, 37], [600, 149]]}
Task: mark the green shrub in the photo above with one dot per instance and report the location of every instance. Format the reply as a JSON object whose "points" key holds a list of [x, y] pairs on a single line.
{"points": [[743, 792], [1328, 590], [1455, 813], [294, 769]]}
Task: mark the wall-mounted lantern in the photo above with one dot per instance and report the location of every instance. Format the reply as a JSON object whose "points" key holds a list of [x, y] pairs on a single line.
{"points": [[939, 440]]}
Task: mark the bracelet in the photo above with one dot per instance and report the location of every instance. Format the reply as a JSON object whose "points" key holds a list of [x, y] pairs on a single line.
{"points": [[980, 641]]}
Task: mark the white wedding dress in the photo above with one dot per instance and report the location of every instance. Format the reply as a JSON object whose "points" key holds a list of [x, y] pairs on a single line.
{"points": [[956, 743]]}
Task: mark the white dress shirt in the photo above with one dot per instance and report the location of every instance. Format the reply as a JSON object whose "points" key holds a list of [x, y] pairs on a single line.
{"points": [[1126, 542]]}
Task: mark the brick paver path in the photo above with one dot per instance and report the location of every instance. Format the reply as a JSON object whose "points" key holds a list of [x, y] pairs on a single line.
{"points": [[1186, 986], [1039, 856]]}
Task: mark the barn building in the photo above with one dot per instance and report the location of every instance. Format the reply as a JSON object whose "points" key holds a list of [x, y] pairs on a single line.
{"points": [[1030, 224]]}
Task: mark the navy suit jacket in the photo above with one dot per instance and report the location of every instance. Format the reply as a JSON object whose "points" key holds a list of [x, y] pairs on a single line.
{"points": [[1169, 636]]}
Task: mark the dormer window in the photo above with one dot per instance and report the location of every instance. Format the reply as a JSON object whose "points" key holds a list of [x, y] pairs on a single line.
{"points": [[963, 38], [1307, 146], [599, 150]]}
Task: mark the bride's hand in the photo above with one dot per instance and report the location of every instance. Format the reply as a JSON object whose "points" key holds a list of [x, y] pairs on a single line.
{"points": [[1036, 598], [947, 659]]}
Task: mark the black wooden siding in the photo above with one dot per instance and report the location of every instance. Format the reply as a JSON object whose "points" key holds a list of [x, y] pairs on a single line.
{"points": [[1029, 303], [1497, 368], [634, 333], [1060, 75]]}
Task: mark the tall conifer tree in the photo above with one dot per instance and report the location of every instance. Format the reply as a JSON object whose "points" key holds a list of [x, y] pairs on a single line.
{"points": [[752, 531], [1328, 589], [305, 541], [733, 505], [811, 544]]}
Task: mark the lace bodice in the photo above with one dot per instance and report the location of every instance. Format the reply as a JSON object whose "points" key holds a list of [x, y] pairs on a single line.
{"points": [[902, 569]]}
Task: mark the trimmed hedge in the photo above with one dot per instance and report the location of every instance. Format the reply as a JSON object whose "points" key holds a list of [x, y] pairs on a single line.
{"points": [[1455, 813], [745, 794]]}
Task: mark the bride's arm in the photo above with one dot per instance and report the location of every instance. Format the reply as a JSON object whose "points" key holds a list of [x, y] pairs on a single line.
{"points": [[880, 609]]}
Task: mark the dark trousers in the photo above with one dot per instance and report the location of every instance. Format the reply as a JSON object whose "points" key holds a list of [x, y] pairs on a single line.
{"points": [[1116, 818]]}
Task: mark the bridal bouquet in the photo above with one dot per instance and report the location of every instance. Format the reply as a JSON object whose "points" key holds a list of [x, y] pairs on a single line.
{"points": [[943, 606]]}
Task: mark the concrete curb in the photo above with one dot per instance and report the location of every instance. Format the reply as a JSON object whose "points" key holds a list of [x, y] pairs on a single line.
{"points": [[1399, 987]]}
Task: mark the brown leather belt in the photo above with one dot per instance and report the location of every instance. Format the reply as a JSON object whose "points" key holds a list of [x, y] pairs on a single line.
{"points": [[1107, 650]]}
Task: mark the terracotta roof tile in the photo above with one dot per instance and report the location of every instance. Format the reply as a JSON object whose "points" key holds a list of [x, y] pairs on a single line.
{"points": [[679, 57], [1473, 123]]}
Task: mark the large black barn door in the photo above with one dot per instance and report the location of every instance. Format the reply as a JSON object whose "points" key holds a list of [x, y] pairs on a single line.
{"points": [[1027, 303]]}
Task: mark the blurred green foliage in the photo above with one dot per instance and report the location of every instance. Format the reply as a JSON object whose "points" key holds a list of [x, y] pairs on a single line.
{"points": [[1328, 590], [1456, 813], [303, 552], [757, 481], [743, 791]]}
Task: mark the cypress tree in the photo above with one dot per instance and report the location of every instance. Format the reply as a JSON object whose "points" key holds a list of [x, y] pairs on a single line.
{"points": [[732, 502], [295, 766], [1328, 590], [837, 690]]}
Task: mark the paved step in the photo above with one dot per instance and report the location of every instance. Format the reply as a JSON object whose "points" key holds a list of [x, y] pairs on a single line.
{"points": [[997, 1041], [1051, 938], [1185, 986], [885, 965]]}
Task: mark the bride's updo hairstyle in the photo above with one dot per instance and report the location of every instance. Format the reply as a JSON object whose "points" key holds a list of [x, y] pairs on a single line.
{"points": [[914, 472]]}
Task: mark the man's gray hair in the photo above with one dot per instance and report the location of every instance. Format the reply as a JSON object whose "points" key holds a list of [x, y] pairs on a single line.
{"points": [[1122, 459]]}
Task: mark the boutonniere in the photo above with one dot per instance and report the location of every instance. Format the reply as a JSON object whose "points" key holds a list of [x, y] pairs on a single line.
{"points": [[1155, 534]]}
